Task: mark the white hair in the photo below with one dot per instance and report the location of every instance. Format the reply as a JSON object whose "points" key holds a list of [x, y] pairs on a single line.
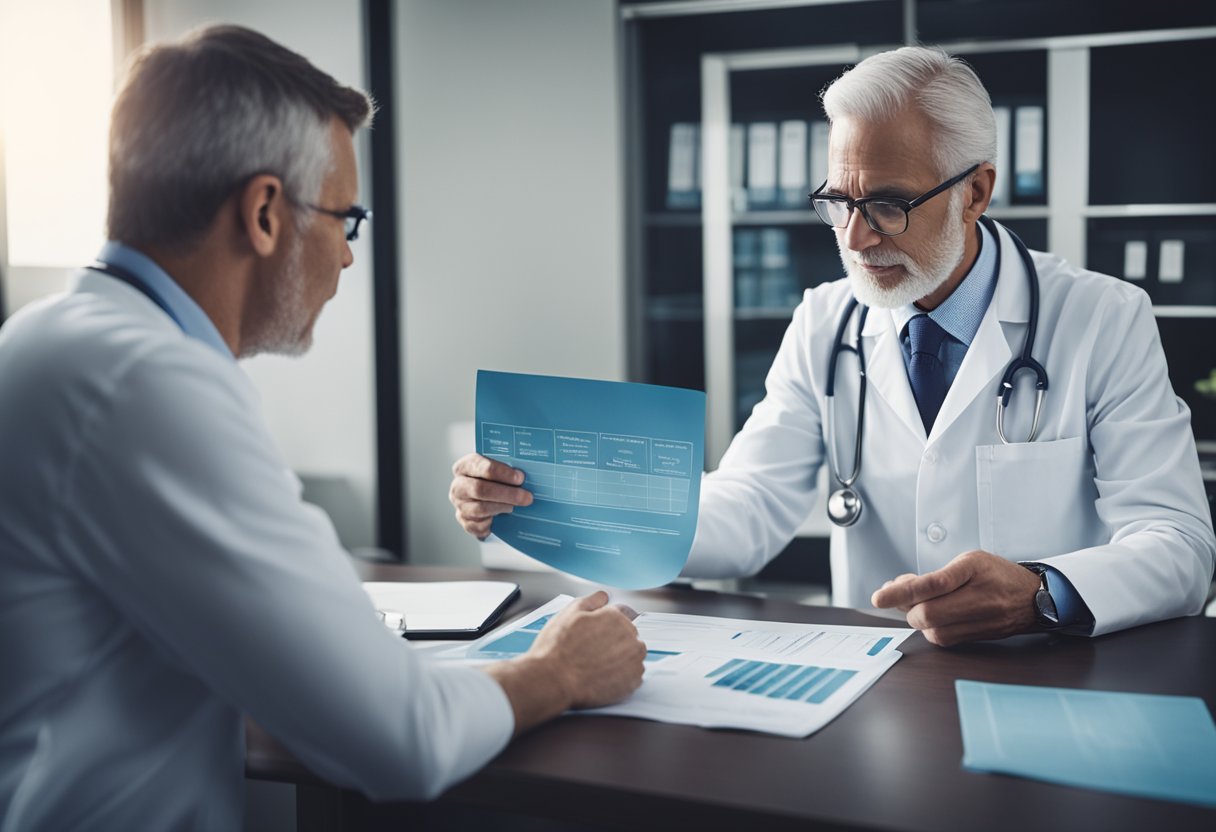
{"points": [[944, 88]]}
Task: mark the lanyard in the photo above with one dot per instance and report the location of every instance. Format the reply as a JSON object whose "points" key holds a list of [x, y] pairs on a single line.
{"points": [[135, 281]]}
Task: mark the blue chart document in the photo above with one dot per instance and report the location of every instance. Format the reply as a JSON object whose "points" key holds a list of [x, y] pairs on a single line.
{"points": [[615, 470], [779, 678], [1131, 743]]}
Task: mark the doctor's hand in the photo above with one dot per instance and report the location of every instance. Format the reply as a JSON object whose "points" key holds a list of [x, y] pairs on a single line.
{"points": [[978, 595], [483, 488]]}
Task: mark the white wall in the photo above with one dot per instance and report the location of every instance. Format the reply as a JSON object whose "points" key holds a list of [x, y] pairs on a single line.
{"points": [[510, 192], [511, 236], [321, 407]]}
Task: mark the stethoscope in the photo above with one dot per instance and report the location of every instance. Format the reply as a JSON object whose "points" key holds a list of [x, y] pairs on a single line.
{"points": [[136, 282], [844, 503]]}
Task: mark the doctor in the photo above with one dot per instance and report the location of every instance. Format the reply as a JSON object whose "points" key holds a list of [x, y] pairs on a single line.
{"points": [[1098, 524]]}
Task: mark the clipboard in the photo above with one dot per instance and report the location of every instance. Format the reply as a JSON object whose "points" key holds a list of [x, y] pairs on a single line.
{"points": [[441, 609]]}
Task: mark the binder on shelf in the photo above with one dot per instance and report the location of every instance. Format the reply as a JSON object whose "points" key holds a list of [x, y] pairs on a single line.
{"points": [[738, 187], [1135, 260], [683, 161], [1170, 261], [746, 251], [1028, 152], [761, 165], [793, 164], [819, 154], [1004, 162], [777, 287]]}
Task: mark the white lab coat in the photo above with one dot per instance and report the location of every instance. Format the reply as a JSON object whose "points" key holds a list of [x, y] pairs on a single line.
{"points": [[1110, 493]]}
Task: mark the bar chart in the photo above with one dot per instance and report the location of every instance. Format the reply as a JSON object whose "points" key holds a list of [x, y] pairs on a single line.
{"points": [[798, 683]]}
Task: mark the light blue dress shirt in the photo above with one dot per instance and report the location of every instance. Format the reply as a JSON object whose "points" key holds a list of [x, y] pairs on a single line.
{"points": [[960, 315], [188, 314]]}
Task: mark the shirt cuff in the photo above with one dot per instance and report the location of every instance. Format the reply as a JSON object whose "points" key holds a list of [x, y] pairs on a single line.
{"points": [[487, 721], [1069, 606]]}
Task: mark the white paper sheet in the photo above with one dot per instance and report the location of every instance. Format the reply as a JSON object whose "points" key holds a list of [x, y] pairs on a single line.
{"points": [[778, 678]]}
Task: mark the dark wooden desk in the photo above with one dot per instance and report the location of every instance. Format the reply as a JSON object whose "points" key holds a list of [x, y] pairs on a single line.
{"points": [[891, 761]]}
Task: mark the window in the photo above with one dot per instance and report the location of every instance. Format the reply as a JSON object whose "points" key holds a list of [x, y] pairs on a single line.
{"points": [[57, 66]]}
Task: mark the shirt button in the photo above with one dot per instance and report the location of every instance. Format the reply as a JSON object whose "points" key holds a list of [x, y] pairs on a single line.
{"points": [[936, 532], [930, 457]]}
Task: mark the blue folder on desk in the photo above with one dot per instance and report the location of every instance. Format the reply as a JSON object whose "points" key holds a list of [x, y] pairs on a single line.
{"points": [[1131, 743]]}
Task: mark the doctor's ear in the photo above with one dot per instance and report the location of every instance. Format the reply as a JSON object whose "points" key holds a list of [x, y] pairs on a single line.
{"points": [[979, 192], [261, 207]]}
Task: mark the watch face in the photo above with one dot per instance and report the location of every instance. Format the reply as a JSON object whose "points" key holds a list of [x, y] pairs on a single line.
{"points": [[1045, 608]]}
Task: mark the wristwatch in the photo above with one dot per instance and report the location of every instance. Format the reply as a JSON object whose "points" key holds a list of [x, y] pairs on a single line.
{"points": [[1044, 605]]}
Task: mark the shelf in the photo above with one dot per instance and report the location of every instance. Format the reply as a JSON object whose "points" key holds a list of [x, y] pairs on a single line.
{"points": [[1184, 311], [674, 220], [792, 216], [765, 313], [1180, 209], [675, 308], [675, 314], [756, 66], [1019, 212]]}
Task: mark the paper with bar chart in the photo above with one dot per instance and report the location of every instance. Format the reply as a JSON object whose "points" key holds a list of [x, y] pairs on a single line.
{"points": [[778, 678], [614, 469]]}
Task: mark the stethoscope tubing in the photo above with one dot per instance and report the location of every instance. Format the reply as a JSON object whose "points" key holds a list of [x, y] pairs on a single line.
{"points": [[136, 282], [1025, 361]]}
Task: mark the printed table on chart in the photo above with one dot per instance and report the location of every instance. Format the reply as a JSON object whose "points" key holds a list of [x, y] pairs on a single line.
{"points": [[596, 469]]}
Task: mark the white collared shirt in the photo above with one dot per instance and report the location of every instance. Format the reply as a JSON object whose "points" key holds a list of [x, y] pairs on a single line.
{"points": [[160, 577]]}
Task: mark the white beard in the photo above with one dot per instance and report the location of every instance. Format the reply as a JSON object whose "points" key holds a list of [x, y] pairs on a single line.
{"points": [[919, 280], [288, 331]]}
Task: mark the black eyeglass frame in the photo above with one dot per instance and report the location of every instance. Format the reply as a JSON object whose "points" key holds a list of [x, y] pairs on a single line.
{"points": [[904, 205], [356, 213]]}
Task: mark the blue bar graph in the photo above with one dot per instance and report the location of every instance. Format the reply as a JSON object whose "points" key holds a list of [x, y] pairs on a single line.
{"points": [[834, 684], [519, 641], [795, 682], [539, 624], [878, 645], [514, 643], [730, 664]]}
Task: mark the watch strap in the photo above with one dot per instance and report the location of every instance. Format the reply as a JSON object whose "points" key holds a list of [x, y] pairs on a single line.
{"points": [[1045, 612]]}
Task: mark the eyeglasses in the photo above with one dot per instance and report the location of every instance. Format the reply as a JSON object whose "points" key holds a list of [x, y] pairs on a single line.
{"points": [[885, 214], [352, 217]]}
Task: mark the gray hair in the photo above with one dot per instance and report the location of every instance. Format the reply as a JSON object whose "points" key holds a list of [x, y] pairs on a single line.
{"points": [[197, 118], [944, 88]]}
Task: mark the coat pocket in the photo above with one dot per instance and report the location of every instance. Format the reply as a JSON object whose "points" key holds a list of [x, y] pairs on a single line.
{"points": [[1031, 497]]}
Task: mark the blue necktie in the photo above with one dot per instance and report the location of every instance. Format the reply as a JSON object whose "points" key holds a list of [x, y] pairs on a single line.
{"points": [[925, 369]]}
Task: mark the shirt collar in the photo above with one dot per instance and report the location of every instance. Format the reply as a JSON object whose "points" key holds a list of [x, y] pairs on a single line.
{"points": [[962, 312], [190, 315]]}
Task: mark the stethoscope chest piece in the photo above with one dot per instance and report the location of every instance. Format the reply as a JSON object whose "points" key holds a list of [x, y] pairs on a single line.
{"points": [[844, 506]]}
